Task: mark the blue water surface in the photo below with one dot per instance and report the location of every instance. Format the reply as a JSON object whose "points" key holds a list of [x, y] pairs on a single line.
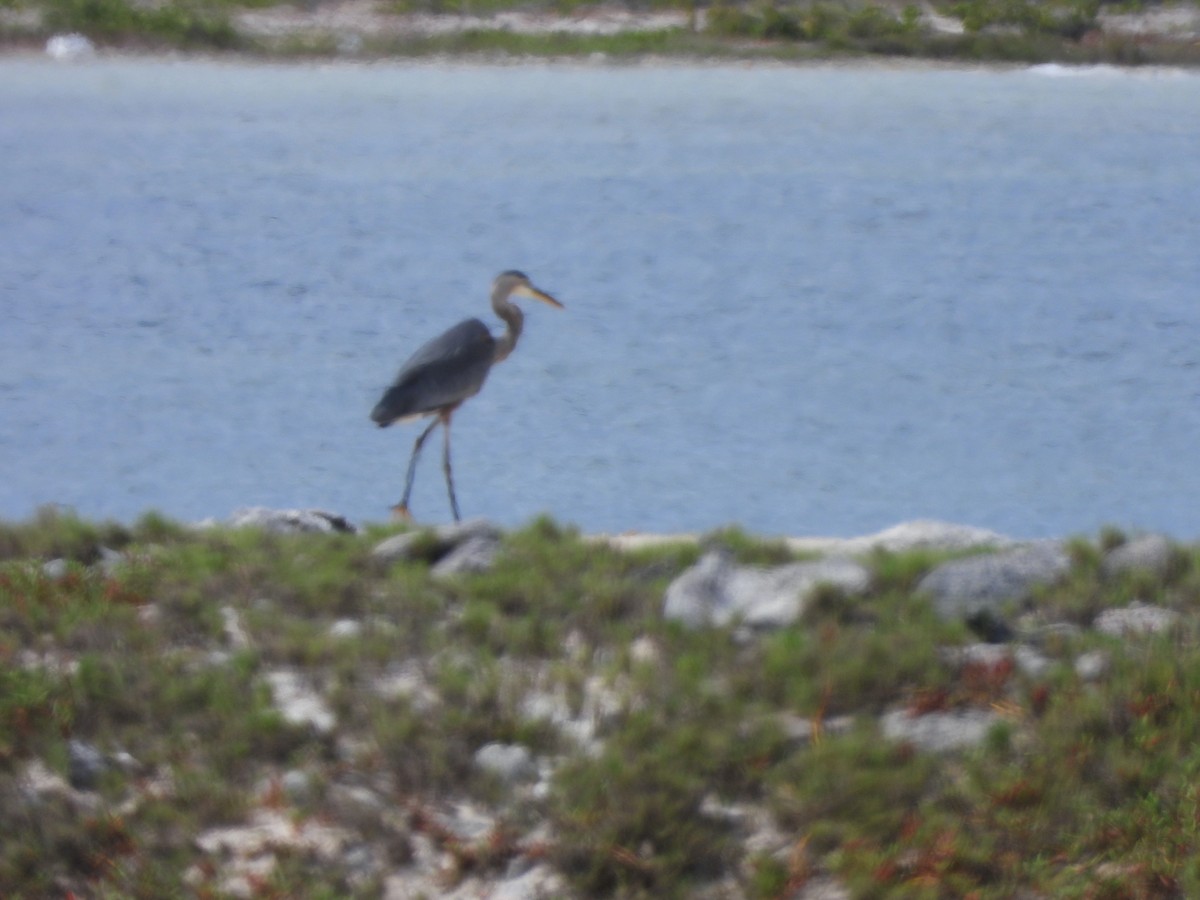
{"points": [[813, 300]]}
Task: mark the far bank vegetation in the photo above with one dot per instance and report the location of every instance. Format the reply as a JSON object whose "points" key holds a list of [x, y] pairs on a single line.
{"points": [[1079, 31]]}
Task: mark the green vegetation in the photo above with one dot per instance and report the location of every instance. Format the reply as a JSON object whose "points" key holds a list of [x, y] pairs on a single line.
{"points": [[988, 30], [183, 23], [162, 656]]}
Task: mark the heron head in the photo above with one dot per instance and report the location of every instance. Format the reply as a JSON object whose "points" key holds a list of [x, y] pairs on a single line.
{"points": [[517, 284]]}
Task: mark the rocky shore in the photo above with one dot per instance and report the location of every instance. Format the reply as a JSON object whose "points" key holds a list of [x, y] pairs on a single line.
{"points": [[465, 712]]}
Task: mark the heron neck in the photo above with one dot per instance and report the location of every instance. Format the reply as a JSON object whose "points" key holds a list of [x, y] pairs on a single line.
{"points": [[514, 322]]}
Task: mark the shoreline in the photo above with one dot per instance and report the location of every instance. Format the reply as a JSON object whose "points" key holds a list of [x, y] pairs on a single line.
{"points": [[169, 56], [365, 31]]}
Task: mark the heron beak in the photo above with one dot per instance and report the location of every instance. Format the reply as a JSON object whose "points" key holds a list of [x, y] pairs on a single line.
{"points": [[530, 291]]}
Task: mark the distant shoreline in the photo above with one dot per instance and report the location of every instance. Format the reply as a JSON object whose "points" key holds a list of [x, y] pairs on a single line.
{"points": [[373, 31]]}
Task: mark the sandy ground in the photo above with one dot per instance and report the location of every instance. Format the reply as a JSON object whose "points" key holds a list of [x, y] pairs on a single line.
{"points": [[369, 17]]}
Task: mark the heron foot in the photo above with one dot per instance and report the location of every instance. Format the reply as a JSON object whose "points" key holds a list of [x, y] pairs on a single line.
{"points": [[401, 513]]}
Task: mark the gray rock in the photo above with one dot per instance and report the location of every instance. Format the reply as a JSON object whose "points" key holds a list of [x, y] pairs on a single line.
{"points": [[698, 593], [1151, 553], [433, 544], [476, 554], [508, 762], [397, 547], [716, 592], [468, 823], [290, 521], [297, 785], [355, 806], [110, 560], [938, 732], [85, 765], [1136, 618], [55, 568], [978, 586], [363, 864]]}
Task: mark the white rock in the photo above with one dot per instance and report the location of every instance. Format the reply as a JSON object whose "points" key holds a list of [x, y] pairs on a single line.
{"points": [[409, 683], [940, 24], [918, 534], [37, 780], [298, 703], [644, 651], [67, 47], [346, 628], [600, 705], [938, 732], [1137, 618], [716, 592], [536, 883], [823, 887], [924, 534], [977, 654], [508, 762], [1030, 661], [232, 625], [1092, 666], [247, 852]]}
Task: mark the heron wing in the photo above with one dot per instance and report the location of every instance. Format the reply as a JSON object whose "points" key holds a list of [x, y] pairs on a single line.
{"points": [[445, 371]]}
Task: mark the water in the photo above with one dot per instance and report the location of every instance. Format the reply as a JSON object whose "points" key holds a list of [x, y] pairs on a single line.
{"points": [[809, 301]]}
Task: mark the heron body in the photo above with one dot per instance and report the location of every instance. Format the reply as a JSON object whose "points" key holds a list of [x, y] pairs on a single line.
{"points": [[444, 372], [450, 369]]}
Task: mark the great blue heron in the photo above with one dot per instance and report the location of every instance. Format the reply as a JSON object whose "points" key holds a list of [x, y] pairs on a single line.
{"points": [[451, 368]]}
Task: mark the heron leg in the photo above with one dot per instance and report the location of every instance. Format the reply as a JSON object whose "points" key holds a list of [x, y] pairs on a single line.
{"points": [[445, 420], [402, 507]]}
